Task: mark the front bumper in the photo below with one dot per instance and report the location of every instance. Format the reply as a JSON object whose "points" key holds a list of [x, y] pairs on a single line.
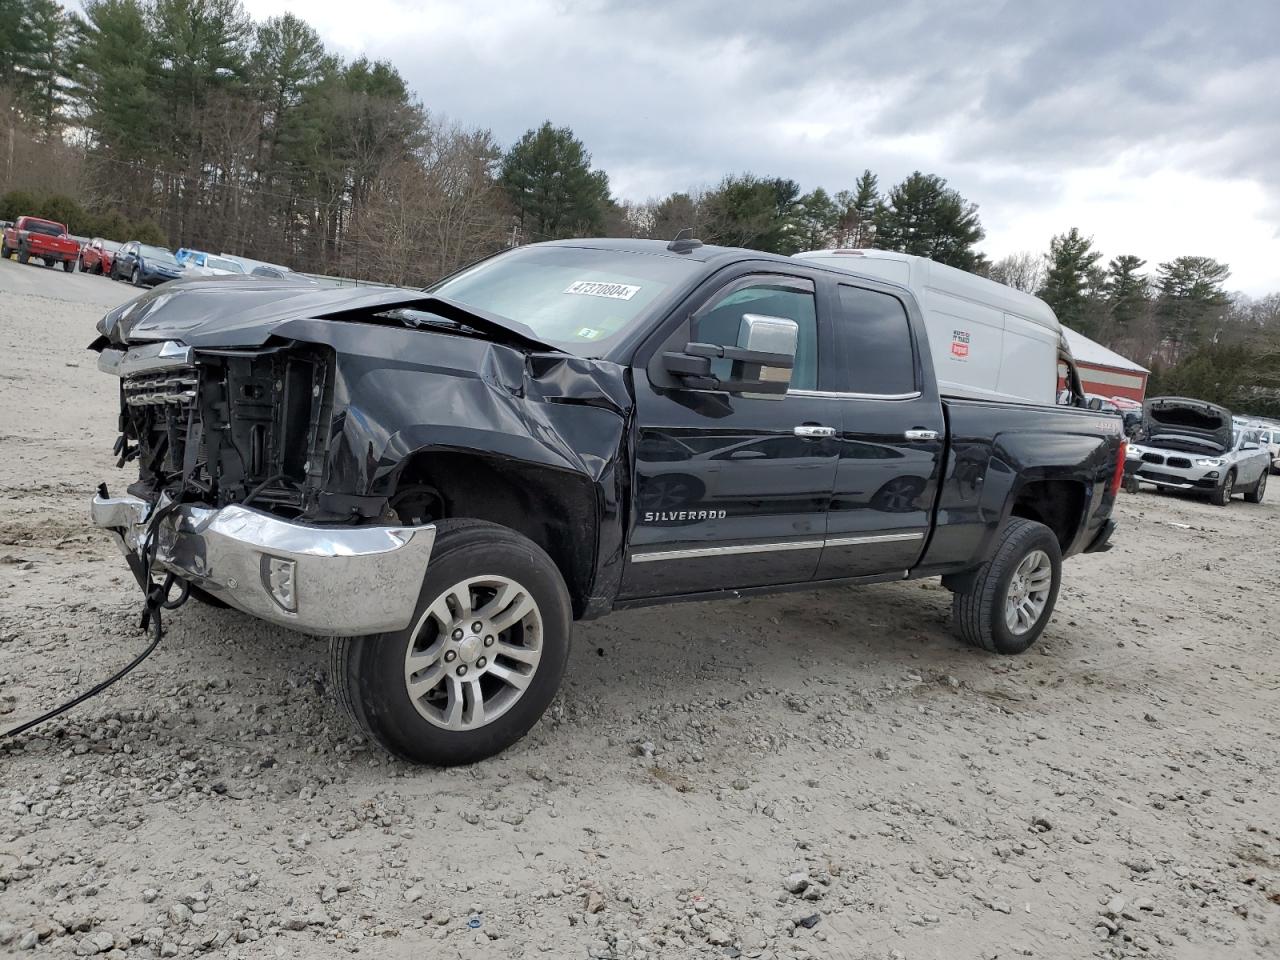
{"points": [[1175, 478], [333, 581]]}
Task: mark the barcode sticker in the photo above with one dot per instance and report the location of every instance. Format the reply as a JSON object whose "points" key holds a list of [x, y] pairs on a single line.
{"points": [[597, 288]]}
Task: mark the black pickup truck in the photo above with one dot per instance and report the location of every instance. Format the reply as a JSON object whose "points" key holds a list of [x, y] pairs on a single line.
{"points": [[443, 480]]}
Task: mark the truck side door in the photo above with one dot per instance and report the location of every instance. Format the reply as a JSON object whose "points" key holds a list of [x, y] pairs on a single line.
{"points": [[732, 491], [892, 435]]}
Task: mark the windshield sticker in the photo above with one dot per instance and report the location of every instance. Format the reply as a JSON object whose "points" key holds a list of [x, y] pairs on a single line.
{"points": [[597, 288], [586, 333]]}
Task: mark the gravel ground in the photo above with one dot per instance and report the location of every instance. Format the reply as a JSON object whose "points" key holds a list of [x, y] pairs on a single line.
{"points": [[821, 774]]}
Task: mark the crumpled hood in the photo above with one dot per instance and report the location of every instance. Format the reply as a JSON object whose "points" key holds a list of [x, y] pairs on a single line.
{"points": [[1168, 417], [236, 311]]}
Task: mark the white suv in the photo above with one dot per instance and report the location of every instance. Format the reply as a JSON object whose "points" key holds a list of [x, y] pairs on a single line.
{"points": [[1194, 445]]}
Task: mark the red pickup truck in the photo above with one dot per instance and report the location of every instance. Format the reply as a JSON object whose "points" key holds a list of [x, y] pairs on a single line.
{"points": [[33, 237]]}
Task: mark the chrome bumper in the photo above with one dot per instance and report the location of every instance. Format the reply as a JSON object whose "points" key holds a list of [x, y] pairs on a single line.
{"points": [[335, 581]]}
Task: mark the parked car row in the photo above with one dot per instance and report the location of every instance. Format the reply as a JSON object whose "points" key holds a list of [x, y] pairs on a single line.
{"points": [[139, 263]]}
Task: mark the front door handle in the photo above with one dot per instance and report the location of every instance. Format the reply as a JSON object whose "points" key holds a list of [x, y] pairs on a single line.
{"points": [[921, 434], [813, 430]]}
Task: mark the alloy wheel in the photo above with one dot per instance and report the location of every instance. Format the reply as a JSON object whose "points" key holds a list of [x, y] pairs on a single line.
{"points": [[1028, 592], [473, 652]]}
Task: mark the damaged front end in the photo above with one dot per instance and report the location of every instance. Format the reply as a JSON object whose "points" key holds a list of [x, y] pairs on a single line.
{"points": [[238, 437], [294, 454], [233, 425]]}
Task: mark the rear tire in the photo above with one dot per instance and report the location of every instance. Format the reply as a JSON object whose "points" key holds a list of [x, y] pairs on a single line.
{"points": [[4, 252], [1221, 495], [1259, 489], [1131, 485], [1029, 552], [485, 564], [69, 266]]}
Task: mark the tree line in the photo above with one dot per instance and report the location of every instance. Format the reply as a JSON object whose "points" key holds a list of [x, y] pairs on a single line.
{"points": [[186, 121]]}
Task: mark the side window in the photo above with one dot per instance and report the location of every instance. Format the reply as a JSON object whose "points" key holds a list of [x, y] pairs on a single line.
{"points": [[875, 340], [719, 320]]}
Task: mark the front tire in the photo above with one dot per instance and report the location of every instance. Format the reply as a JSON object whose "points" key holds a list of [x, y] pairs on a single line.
{"points": [[23, 256], [134, 278], [4, 252], [1259, 490], [1221, 495], [479, 663], [1009, 601]]}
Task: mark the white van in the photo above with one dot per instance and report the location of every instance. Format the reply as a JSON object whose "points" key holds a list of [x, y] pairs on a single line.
{"points": [[989, 341]]}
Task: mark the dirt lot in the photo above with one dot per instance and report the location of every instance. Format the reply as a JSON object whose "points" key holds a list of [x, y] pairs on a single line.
{"points": [[814, 774]]}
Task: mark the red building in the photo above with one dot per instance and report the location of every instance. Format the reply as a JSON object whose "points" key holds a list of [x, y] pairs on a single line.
{"points": [[1104, 371]]}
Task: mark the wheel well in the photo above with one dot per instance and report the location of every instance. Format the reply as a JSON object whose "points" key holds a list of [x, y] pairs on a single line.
{"points": [[1057, 503], [553, 508]]}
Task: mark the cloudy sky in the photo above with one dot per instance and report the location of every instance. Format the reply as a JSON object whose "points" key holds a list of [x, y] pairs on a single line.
{"points": [[1153, 125]]}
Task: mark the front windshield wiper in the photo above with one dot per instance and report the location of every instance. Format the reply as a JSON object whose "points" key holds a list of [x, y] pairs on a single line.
{"points": [[419, 320]]}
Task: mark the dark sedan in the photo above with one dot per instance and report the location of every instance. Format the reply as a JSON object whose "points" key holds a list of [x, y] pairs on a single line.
{"points": [[144, 265]]}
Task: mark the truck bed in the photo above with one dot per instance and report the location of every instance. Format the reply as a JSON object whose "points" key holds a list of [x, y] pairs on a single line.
{"points": [[995, 451]]}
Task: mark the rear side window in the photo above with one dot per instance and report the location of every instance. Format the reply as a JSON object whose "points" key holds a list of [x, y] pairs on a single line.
{"points": [[876, 355]]}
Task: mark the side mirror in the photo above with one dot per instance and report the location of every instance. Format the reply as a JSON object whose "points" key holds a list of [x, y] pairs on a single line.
{"points": [[1095, 403], [761, 362]]}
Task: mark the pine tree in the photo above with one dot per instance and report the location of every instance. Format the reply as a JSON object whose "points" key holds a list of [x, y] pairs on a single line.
{"points": [[759, 213], [34, 59], [549, 181], [816, 219], [856, 226], [1126, 291], [925, 217], [119, 68], [1067, 283], [1190, 302]]}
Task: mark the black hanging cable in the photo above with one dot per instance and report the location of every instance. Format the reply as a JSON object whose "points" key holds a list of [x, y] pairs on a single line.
{"points": [[155, 595], [156, 633]]}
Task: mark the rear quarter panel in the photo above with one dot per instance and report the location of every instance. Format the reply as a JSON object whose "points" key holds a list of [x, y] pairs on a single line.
{"points": [[996, 449]]}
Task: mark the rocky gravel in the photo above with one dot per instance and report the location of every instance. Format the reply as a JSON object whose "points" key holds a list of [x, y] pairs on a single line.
{"points": [[815, 774]]}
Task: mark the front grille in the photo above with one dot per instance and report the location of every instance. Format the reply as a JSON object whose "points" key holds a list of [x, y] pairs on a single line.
{"points": [[1180, 462], [158, 405], [261, 418], [1157, 476], [175, 386], [1152, 458]]}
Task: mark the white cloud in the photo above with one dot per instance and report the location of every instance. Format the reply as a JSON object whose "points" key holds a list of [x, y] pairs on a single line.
{"points": [[1148, 125]]}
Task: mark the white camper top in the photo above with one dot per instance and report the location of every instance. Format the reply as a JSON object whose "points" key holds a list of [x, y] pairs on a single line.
{"points": [[988, 341]]}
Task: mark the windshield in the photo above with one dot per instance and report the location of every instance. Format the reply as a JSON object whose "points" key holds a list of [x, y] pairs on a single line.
{"points": [[40, 226], [159, 255], [577, 298], [218, 263]]}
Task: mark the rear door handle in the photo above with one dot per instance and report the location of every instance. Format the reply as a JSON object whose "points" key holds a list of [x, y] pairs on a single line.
{"points": [[813, 430], [921, 434]]}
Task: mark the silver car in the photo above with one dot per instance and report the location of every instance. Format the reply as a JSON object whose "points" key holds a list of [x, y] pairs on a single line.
{"points": [[1194, 445]]}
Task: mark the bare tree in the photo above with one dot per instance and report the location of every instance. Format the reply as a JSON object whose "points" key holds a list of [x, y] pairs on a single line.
{"points": [[429, 214], [1023, 271]]}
